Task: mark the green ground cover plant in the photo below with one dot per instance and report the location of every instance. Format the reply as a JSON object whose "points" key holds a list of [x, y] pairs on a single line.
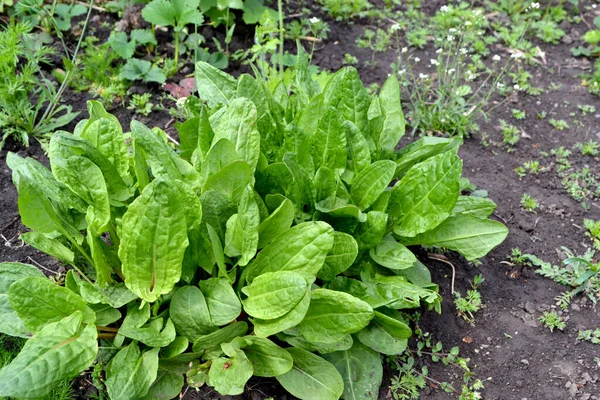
{"points": [[270, 243]]}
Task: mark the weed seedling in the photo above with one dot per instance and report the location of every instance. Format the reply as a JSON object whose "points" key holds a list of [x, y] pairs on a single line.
{"points": [[559, 124], [471, 303], [510, 133], [586, 109], [592, 336], [518, 114], [593, 231], [589, 148], [140, 103], [529, 203], [552, 321]]}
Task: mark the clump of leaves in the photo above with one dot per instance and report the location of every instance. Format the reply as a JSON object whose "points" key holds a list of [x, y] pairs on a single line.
{"points": [[510, 133], [136, 69], [125, 47], [590, 335], [471, 303], [141, 104], [559, 124], [529, 203], [593, 231], [552, 321], [589, 148], [273, 220]]}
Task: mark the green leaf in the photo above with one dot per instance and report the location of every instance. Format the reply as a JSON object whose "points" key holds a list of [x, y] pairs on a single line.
{"points": [[392, 254], [340, 257], [60, 351], [370, 182], [190, 314], [385, 335], [121, 45], [223, 304], [421, 150], [39, 302], [241, 236], [105, 314], [106, 135], [223, 335], [357, 147], [470, 236], [143, 36], [231, 180], [214, 86], [312, 378], [396, 293], [332, 315], [265, 328], [323, 348], [372, 231], [267, 359], [426, 195], [10, 272], [159, 12], [153, 333], [274, 294], [229, 375], [238, 125], [346, 94], [136, 69], [330, 142], [167, 386], [153, 240], [479, 207], [275, 224], [100, 255], [361, 370], [49, 246], [301, 248], [393, 118], [130, 373]]}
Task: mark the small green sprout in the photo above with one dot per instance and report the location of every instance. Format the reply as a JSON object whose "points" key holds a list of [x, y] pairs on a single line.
{"points": [[551, 320], [529, 203]]}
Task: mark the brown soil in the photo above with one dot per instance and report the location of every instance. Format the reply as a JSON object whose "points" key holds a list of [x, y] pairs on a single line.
{"points": [[518, 358]]}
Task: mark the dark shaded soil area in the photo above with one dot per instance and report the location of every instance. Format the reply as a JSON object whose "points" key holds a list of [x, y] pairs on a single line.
{"points": [[509, 349]]}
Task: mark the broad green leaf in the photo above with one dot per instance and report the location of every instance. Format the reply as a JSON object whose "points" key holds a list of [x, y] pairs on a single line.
{"points": [[346, 94], [361, 370], [167, 386], [105, 314], [106, 135], [278, 222], [421, 150], [223, 304], [397, 293], [385, 335], [223, 335], [267, 359], [231, 180], [393, 118], [371, 233], [241, 236], [325, 184], [470, 236], [266, 328], [340, 257], [323, 348], [229, 375], [154, 333], [102, 264], [217, 208], [370, 182], [238, 125], [10, 272], [301, 248], [175, 348], [214, 86], [153, 241], [339, 208], [221, 154], [311, 377], [479, 207], [357, 147], [48, 245], [217, 249], [143, 36], [190, 313], [159, 12], [274, 294], [130, 373], [426, 195], [60, 351], [38, 302], [332, 315], [330, 142], [392, 254]]}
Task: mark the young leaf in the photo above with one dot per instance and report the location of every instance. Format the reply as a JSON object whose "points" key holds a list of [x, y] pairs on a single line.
{"points": [[393, 118], [479, 207], [229, 375], [421, 150], [278, 222], [167, 386], [340, 257], [38, 302], [49, 246], [153, 240], [426, 195], [214, 86], [347, 95], [136, 69], [392, 254], [361, 370], [241, 236], [274, 294], [223, 304], [267, 359], [370, 182], [311, 377], [223, 335], [130, 373], [190, 313], [385, 335], [61, 350], [106, 135], [330, 141]]}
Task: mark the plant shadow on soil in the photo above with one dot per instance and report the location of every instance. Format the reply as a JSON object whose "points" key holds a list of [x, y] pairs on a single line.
{"points": [[507, 344]]}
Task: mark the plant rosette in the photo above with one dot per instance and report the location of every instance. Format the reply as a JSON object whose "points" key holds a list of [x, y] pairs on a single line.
{"points": [[274, 242]]}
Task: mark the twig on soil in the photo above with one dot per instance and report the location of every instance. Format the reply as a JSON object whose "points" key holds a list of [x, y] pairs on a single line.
{"points": [[94, 7], [42, 267], [184, 392], [441, 258], [500, 218]]}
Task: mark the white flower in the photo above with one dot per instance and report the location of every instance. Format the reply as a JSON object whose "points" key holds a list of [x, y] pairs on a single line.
{"points": [[451, 71], [444, 8], [417, 59], [401, 72], [452, 30], [500, 85], [423, 76], [462, 50], [181, 102], [478, 11], [468, 23], [434, 62], [314, 20], [517, 87], [535, 5], [404, 49], [395, 27], [496, 58], [449, 38], [438, 51], [516, 55]]}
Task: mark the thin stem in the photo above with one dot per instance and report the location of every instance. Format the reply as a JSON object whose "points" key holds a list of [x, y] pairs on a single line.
{"points": [[81, 273], [281, 37], [107, 329], [106, 335]]}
